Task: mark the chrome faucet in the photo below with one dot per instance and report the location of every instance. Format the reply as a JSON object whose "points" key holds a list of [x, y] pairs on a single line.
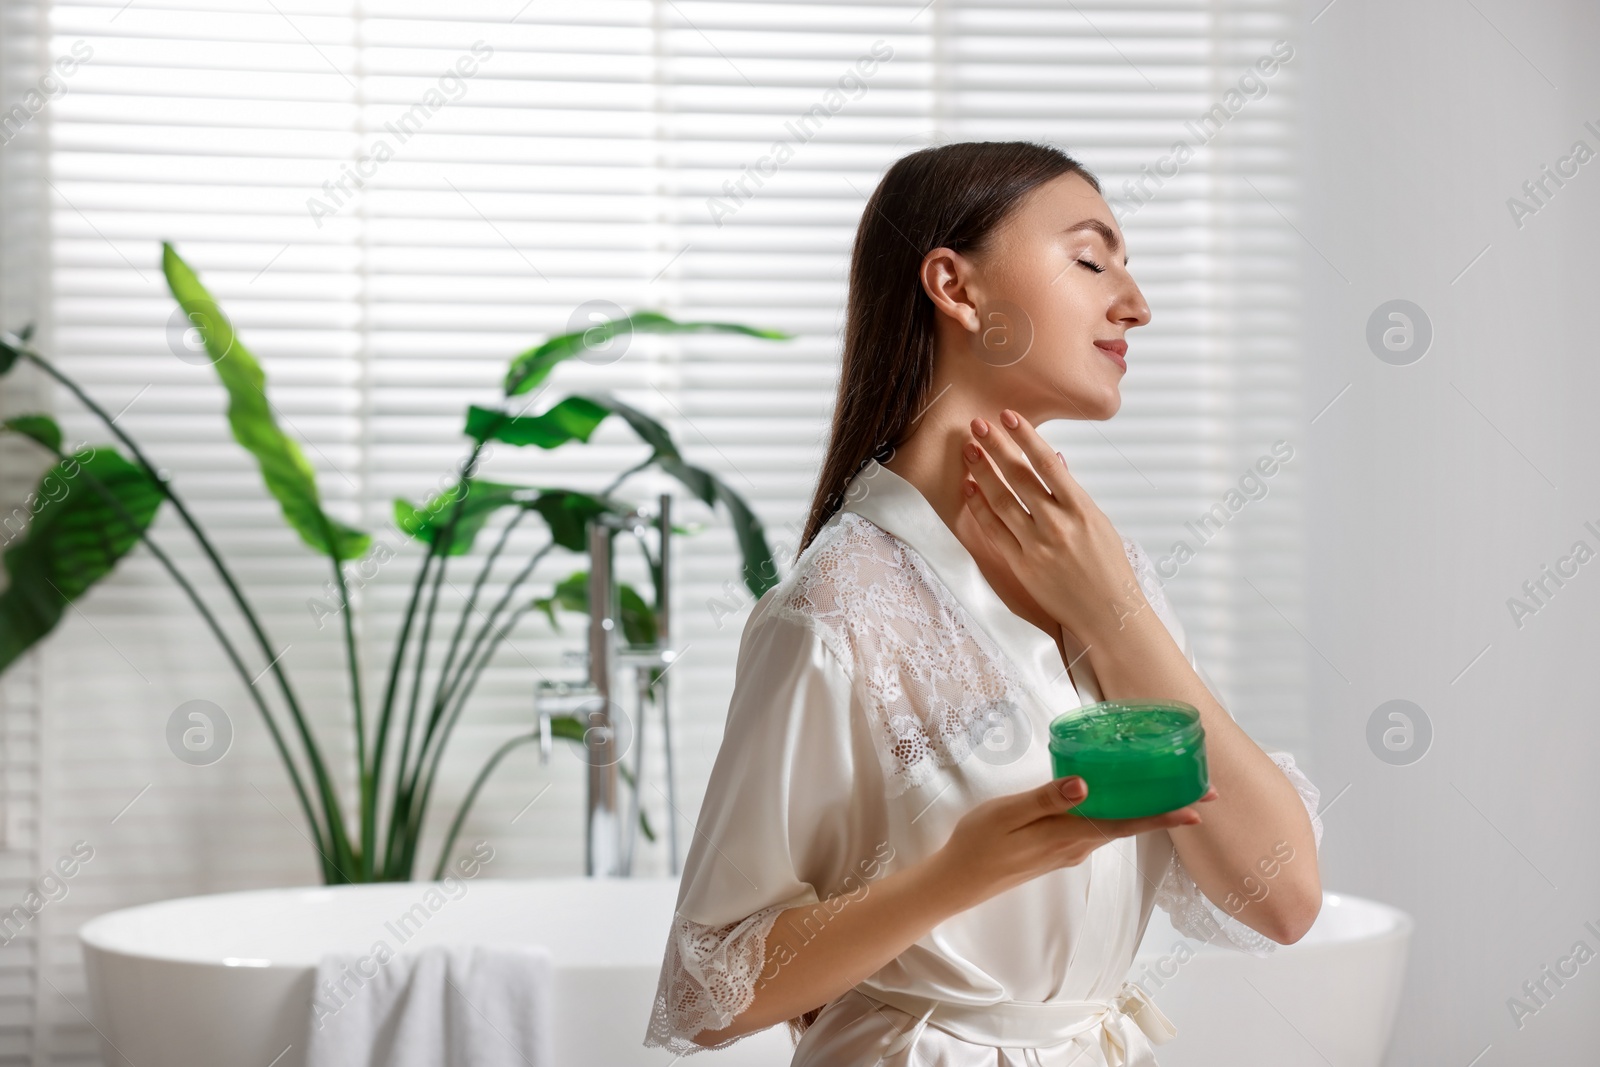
{"points": [[610, 732]]}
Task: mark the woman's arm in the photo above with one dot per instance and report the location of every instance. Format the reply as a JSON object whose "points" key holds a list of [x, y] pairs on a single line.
{"points": [[814, 953], [1067, 553], [1257, 810]]}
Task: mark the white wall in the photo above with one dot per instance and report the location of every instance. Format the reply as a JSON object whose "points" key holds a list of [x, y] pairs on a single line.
{"points": [[1436, 489]]}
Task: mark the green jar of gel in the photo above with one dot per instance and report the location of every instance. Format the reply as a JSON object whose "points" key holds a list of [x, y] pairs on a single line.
{"points": [[1137, 757]]}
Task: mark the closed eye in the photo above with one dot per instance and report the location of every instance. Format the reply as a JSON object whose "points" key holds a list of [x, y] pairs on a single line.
{"points": [[1097, 268]]}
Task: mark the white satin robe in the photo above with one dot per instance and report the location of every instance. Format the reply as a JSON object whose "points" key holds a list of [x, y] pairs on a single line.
{"points": [[883, 689]]}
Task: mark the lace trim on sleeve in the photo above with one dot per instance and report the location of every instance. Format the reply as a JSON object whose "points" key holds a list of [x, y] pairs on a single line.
{"points": [[1193, 914], [708, 978]]}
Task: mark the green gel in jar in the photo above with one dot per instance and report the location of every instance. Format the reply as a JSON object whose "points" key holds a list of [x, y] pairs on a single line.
{"points": [[1137, 757]]}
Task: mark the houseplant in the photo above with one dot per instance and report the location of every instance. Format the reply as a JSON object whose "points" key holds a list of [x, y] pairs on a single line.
{"points": [[95, 504]]}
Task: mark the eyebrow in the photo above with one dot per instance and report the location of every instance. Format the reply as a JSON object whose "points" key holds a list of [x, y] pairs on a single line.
{"points": [[1106, 233]]}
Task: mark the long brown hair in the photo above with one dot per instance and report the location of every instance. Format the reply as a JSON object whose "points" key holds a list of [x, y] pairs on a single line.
{"points": [[950, 196]]}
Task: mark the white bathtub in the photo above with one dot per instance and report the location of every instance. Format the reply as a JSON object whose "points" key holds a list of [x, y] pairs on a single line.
{"points": [[1328, 999], [227, 978]]}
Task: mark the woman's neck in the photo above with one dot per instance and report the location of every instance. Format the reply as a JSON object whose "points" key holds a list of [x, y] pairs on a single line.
{"points": [[931, 460], [933, 463]]}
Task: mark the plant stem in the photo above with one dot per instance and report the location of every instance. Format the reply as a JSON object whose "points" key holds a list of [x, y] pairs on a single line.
{"points": [[380, 743], [406, 795], [477, 641], [353, 662], [417, 804], [422, 649], [438, 546], [472, 600], [562, 727], [466, 612], [420, 806], [472, 795], [522, 576], [616, 482], [659, 582], [228, 649], [337, 838], [416, 695]]}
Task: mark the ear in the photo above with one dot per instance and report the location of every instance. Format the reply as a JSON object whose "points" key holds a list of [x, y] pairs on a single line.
{"points": [[946, 275]]}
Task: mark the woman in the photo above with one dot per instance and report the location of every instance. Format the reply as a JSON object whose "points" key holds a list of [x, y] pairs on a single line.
{"points": [[882, 857]]}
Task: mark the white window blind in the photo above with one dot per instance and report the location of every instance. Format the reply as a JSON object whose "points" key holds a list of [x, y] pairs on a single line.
{"points": [[391, 199]]}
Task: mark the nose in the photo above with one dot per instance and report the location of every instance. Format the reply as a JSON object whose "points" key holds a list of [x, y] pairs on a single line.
{"points": [[1129, 308]]}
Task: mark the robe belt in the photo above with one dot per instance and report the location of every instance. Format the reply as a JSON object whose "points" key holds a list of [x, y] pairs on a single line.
{"points": [[1025, 1024]]}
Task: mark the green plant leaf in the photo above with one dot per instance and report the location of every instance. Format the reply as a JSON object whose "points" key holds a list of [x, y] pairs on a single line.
{"points": [[288, 476], [483, 500], [638, 617], [572, 594], [565, 511], [573, 419], [41, 428], [569, 594], [9, 354], [568, 514], [648, 430], [76, 538], [567, 728], [535, 365], [760, 573]]}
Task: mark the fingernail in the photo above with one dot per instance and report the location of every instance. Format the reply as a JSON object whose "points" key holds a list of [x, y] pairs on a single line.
{"points": [[980, 427], [972, 453], [1069, 785], [968, 488], [1009, 417], [1062, 458]]}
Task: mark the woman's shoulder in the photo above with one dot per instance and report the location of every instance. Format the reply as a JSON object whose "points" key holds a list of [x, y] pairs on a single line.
{"points": [[849, 556], [852, 569]]}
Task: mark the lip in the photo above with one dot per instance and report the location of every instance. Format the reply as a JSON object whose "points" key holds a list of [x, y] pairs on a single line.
{"points": [[1116, 351]]}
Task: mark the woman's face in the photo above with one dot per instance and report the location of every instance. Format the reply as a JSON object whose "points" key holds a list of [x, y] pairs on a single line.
{"points": [[1053, 301]]}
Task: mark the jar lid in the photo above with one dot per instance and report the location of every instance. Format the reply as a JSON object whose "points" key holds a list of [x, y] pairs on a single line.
{"points": [[1116, 729]]}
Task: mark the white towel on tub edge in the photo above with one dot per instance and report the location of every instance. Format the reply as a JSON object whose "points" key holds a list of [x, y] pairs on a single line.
{"points": [[442, 1006]]}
